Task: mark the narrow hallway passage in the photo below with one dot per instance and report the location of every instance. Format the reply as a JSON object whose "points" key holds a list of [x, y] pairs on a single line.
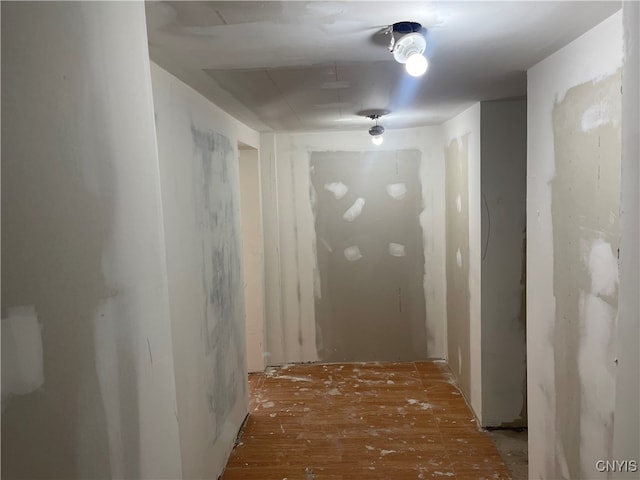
{"points": [[361, 421]]}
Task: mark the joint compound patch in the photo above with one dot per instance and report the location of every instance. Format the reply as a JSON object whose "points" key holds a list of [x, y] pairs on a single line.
{"points": [[397, 191], [603, 267], [354, 211], [396, 250], [605, 110], [352, 253], [338, 189], [458, 204], [22, 365], [459, 258]]}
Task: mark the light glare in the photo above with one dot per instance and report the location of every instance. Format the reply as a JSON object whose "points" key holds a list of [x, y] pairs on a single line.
{"points": [[416, 65], [377, 140]]}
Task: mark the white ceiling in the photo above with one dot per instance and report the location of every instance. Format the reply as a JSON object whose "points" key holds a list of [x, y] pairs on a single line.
{"points": [[305, 66]]}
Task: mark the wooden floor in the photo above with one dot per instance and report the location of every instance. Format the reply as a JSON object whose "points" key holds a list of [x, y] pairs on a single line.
{"points": [[369, 421]]}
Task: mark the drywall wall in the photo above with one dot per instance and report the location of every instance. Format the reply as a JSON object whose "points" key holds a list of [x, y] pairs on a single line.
{"points": [[82, 247], [503, 188], [573, 200], [626, 433], [197, 146], [368, 285], [463, 253], [290, 238], [252, 256]]}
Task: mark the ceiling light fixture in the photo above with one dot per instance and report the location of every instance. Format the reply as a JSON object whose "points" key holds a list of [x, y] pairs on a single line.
{"points": [[409, 47], [377, 130]]}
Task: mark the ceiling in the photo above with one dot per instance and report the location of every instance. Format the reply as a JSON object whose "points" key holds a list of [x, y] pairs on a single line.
{"points": [[308, 66]]}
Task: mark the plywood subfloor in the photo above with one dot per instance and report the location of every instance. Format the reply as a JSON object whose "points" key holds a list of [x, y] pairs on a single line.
{"points": [[361, 421]]}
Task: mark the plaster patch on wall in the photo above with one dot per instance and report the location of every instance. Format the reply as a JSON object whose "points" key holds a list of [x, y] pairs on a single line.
{"points": [[604, 111], [352, 253], [459, 258], [458, 204], [603, 267], [338, 189], [396, 250], [597, 381], [397, 191], [595, 355], [354, 210], [584, 193], [22, 361]]}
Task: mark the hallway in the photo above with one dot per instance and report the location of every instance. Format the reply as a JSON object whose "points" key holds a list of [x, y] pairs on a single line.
{"points": [[361, 421], [191, 192]]}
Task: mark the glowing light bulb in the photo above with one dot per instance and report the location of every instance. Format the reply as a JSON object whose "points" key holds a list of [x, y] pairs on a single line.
{"points": [[416, 65], [377, 140]]}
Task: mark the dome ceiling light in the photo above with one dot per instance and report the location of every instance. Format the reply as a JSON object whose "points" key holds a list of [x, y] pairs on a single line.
{"points": [[407, 45]]}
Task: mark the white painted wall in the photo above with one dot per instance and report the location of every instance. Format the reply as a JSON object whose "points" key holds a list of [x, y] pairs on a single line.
{"points": [[468, 123], [626, 433], [594, 55], [253, 257], [504, 183], [289, 232], [83, 245], [197, 145]]}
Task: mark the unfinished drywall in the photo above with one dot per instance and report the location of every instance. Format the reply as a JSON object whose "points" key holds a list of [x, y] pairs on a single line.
{"points": [[573, 184], [504, 189], [626, 433], [252, 256], [585, 205], [457, 210], [290, 238], [462, 134], [83, 257], [197, 146], [369, 295]]}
